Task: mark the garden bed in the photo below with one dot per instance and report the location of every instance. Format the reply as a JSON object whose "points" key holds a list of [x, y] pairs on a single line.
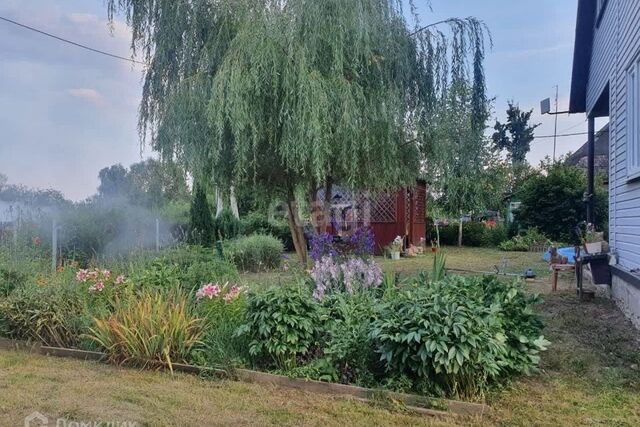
{"points": [[420, 404]]}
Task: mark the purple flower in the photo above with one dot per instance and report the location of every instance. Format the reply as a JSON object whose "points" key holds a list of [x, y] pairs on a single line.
{"points": [[362, 242], [321, 246], [348, 276]]}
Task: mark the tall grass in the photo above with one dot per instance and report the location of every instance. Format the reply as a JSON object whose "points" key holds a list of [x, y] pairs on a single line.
{"points": [[154, 329]]}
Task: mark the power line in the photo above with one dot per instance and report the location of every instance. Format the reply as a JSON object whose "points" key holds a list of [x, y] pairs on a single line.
{"points": [[567, 134], [53, 36], [574, 126]]}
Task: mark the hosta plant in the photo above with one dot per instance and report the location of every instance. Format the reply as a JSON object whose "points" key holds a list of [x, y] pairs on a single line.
{"points": [[281, 324], [457, 335]]}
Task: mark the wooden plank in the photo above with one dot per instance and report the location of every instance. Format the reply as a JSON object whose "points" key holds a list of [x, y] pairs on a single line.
{"points": [[414, 401], [8, 344], [72, 353]]}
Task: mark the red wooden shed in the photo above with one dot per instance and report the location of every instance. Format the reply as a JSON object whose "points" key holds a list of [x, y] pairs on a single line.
{"points": [[389, 214]]}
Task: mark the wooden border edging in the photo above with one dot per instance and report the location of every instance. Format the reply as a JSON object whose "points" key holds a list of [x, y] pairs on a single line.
{"points": [[433, 405], [420, 404]]}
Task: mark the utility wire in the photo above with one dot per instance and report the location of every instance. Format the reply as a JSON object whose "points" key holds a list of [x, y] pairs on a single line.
{"points": [[53, 36]]}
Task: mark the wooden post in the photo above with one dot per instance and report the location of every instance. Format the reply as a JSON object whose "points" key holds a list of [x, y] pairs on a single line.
{"points": [[54, 246]]}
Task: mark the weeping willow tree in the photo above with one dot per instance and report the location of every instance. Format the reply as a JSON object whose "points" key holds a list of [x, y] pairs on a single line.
{"points": [[287, 95]]}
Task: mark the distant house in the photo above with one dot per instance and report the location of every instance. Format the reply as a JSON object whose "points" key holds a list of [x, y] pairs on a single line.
{"points": [[606, 83], [601, 162]]}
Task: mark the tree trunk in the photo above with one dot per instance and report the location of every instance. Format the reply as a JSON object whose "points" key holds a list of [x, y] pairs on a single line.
{"points": [[219, 202], [326, 205], [460, 232], [233, 202], [297, 233]]}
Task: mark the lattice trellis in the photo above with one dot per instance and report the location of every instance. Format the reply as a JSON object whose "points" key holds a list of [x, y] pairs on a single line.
{"points": [[383, 207], [365, 206]]}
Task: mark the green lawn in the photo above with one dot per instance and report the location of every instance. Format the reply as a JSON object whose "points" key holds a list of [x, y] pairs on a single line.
{"points": [[468, 259], [590, 376]]}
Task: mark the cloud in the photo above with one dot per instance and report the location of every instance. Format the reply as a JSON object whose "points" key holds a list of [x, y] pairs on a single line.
{"points": [[83, 18], [90, 95]]}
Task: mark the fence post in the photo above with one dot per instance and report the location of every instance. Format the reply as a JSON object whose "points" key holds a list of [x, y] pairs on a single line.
{"points": [[54, 246], [157, 235]]}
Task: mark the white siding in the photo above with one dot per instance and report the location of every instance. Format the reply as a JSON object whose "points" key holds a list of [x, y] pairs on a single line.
{"points": [[616, 44]]}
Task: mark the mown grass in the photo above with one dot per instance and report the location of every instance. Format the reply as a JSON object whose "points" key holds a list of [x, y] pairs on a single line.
{"points": [[86, 391], [467, 259]]}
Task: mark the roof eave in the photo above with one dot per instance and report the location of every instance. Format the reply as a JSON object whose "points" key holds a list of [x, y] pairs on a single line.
{"points": [[585, 24]]}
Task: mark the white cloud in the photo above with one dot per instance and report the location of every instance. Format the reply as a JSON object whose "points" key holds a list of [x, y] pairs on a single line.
{"points": [[90, 95], [83, 18]]}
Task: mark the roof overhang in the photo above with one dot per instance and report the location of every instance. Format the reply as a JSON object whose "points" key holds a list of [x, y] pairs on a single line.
{"points": [[585, 25]]}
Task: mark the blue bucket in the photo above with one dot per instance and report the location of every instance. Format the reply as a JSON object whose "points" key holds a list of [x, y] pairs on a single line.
{"points": [[568, 252]]}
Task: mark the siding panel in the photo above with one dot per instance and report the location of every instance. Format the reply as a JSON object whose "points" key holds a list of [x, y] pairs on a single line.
{"points": [[616, 43]]}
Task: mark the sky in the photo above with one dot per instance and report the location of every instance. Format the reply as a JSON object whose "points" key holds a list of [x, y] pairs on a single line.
{"points": [[65, 113]]}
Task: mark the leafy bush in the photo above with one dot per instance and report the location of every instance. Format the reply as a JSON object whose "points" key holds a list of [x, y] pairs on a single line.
{"points": [[151, 329], [474, 234], [448, 234], [553, 201], [348, 356], [281, 324], [521, 324], [457, 335], [496, 235], [222, 307], [53, 314], [201, 224], [10, 279], [187, 267], [226, 225], [159, 275], [523, 242], [258, 223], [255, 253]]}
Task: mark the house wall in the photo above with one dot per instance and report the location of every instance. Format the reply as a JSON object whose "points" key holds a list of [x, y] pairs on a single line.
{"points": [[616, 43]]}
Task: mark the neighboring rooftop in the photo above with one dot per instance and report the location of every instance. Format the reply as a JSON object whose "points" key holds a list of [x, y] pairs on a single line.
{"points": [[579, 158]]}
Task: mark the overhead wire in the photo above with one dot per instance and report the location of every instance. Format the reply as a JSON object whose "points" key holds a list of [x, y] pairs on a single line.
{"points": [[71, 42]]}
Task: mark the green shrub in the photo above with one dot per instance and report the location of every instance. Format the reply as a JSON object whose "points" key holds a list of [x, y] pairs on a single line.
{"points": [[258, 223], [448, 234], [10, 279], [474, 234], [215, 270], [226, 226], [201, 223], [458, 335], [186, 267], [222, 318], [553, 201], [158, 275], [281, 324], [348, 355], [523, 242], [255, 253], [521, 324], [52, 314], [151, 329], [496, 235]]}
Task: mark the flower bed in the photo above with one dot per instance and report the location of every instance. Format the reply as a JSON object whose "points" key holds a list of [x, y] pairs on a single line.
{"points": [[344, 323]]}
